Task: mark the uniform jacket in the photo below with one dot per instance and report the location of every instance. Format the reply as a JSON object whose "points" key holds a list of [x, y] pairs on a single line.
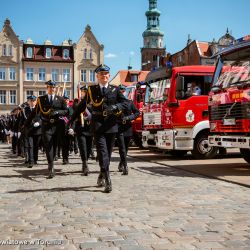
{"points": [[131, 113], [43, 108], [102, 124]]}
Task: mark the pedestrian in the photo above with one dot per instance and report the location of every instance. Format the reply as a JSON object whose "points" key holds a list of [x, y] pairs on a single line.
{"points": [[107, 102], [125, 132], [50, 107]]}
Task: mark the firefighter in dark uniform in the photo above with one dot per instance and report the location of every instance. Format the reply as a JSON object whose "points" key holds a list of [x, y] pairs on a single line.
{"points": [[107, 102], [50, 107], [67, 137], [125, 132], [27, 133], [82, 127]]}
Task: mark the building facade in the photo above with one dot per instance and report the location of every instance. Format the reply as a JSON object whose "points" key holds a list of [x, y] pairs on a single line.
{"points": [[153, 39], [128, 77], [10, 68], [26, 66], [200, 53]]}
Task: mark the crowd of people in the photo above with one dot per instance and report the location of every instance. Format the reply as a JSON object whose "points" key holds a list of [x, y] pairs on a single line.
{"points": [[54, 125]]}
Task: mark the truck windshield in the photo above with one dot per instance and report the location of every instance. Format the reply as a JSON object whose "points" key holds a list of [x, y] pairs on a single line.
{"points": [[233, 73], [156, 91]]}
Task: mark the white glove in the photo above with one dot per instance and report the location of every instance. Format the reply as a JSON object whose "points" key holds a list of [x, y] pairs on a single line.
{"points": [[36, 124], [18, 134], [71, 131]]}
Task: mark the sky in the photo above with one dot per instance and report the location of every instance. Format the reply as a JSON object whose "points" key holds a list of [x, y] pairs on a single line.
{"points": [[119, 24]]}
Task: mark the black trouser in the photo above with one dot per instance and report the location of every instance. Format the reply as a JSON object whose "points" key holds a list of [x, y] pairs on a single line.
{"points": [[123, 143], [84, 145], [14, 144], [50, 136], [66, 146], [104, 146], [29, 148], [36, 144]]}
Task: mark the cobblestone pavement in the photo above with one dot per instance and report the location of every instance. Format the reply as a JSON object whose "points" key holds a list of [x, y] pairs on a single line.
{"points": [[154, 207]]}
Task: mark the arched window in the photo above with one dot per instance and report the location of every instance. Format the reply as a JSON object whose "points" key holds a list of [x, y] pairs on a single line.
{"points": [[4, 51], [90, 54], [29, 52], [10, 50], [48, 53], [85, 53], [66, 54]]}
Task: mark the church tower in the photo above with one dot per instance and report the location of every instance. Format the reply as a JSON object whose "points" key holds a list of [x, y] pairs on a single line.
{"points": [[153, 45]]}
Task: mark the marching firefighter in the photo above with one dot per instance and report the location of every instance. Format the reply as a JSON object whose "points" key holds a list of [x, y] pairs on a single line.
{"points": [[50, 107], [125, 132], [82, 127], [107, 102]]}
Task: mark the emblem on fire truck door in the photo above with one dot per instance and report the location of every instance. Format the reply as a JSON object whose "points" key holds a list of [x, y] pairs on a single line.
{"points": [[190, 116]]}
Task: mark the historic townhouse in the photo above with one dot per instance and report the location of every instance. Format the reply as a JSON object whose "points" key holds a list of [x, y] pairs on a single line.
{"points": [[10, 68], [26, 66]]}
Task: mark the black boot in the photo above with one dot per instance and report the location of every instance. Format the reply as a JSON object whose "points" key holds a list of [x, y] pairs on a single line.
{"points": [[108, 184], [100, 180], [65, 161], [51, 171], [85, 168], [125, 169], [120, 168]]}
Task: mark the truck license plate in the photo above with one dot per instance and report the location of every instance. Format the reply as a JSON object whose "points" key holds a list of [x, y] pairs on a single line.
{"points": [[230, 121]]}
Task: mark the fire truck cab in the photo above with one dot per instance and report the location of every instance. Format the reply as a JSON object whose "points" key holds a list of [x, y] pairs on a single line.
{"points": [[136, 93], [229, 100], [175, 115]]}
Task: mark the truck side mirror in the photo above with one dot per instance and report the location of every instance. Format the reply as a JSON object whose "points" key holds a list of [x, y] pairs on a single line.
{"points": [[180, 87]]}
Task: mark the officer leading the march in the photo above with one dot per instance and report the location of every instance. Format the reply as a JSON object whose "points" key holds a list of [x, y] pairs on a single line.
{"points": [[107, 102], [50, 107]]}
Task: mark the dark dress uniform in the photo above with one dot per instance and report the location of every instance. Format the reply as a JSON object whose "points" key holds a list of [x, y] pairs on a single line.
{"points": [[125, 133], [82, 127], [105, 103], [50, 112]]}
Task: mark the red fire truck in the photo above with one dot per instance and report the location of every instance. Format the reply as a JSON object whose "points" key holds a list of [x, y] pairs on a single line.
{"points": [[136, 93], [175, 119], [229, 100]]}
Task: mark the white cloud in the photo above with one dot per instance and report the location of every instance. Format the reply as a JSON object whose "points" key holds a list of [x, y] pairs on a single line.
{"points": [[110, 55]]}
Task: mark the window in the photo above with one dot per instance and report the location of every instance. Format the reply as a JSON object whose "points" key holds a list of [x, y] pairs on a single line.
{"points": [[85, 54], [83, 75], [41, 74], [90, 54], [29, 52], [29, 92], [67, 93], [55, 75], [91, 75], [12, 73], [4, 52], [66, 75], [10, 50], [12, 96], [48, 53], [2, 73], [134, 78], [2, 96], [42, 92], [29, 74], [66, 54]]}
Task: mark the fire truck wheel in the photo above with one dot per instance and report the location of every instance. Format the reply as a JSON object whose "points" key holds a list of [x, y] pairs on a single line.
{"points": [[177, 153], [201, 148], [246, 154], [138, 141]]}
